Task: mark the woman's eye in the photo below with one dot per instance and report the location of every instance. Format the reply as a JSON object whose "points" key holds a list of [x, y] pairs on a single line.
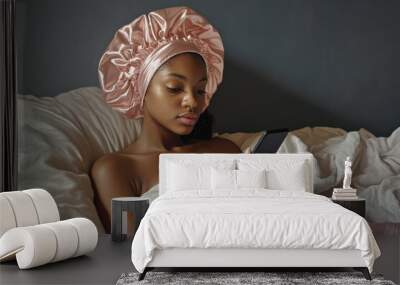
{"points": [[201, 92], [174, 89]]}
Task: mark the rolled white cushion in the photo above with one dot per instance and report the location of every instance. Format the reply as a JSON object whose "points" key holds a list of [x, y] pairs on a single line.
{"points": [[46, 207], [7, 218], [26, 208], [33, 245], [23, 208], [67, 240], [87, 235], [45, 243]]}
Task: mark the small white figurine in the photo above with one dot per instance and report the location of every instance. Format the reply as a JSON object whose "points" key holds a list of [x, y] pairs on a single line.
{"points": [[347, 173]]}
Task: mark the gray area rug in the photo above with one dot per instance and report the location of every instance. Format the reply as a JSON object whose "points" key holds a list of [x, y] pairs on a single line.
{"points": [[225, 278]]}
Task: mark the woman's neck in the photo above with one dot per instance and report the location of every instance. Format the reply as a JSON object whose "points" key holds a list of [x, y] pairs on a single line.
{"points": [[155, 137]]}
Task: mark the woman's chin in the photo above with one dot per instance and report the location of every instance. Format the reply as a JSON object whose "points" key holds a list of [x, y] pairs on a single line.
{"points": [[184, 130]]}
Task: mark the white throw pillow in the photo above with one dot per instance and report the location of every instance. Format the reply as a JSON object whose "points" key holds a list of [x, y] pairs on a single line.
{"points": [[251, 178], [291, 175], [223, 179], [292, 178], [236, 179], [186, 174]]}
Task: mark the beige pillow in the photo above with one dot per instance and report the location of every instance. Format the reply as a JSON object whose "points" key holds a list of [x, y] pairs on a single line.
{"points": [[244, 140]]}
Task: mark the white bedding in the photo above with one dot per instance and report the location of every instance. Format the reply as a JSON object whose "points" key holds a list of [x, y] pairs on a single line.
{"points": [[376, 165], [250, 218]]}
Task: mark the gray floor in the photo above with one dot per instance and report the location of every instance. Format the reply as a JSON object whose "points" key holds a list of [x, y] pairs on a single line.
{"points": [[103, 266], [388, 239], [110, 260]]}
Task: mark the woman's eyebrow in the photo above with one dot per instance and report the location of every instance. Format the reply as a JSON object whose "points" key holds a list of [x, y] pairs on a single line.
{"points": [[184, 77]]}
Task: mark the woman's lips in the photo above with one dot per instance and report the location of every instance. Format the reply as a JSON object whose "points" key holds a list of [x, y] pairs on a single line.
{"points": [[187, 121]]}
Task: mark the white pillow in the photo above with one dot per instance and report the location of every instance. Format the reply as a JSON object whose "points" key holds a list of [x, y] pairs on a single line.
{"points": [[292, 178], [223, 179], [291, 175], [237, 179], [251, 178], [186, 174]]}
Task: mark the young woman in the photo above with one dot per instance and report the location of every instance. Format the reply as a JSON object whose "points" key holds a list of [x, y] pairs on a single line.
{"points": [[164, 67]]}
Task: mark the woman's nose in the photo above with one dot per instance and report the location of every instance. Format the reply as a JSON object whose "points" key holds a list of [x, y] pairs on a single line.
{"points": [[190, 99]]}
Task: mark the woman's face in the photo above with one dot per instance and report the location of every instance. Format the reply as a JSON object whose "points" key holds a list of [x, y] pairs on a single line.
{"points": [[176, 90]]}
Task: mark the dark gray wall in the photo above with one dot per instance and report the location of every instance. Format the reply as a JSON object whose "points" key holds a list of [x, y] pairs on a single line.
{"points": [[287, 63]]}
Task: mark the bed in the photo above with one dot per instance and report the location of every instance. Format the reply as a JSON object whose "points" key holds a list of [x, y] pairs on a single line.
{"points": [[247, 210]]}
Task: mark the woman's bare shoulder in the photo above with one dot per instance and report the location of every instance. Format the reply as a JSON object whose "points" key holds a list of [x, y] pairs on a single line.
{"points": [[140, 169], [112, 165], [112, 159], [114, 173], [211, 145]]}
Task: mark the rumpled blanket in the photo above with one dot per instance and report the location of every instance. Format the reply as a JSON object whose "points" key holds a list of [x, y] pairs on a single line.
{"points": [[376, 165]]}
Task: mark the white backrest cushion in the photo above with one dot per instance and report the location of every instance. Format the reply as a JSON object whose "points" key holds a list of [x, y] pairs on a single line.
{"points": [[236, 179], [223, 179], [185, 174], [251, 178], [290, 173]]}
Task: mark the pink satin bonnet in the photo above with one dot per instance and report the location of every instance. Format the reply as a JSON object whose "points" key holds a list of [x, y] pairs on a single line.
{"points": [[141, 47]]}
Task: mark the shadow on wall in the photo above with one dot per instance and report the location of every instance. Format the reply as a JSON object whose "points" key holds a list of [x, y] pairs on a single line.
{"points": [[248, 101]]}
